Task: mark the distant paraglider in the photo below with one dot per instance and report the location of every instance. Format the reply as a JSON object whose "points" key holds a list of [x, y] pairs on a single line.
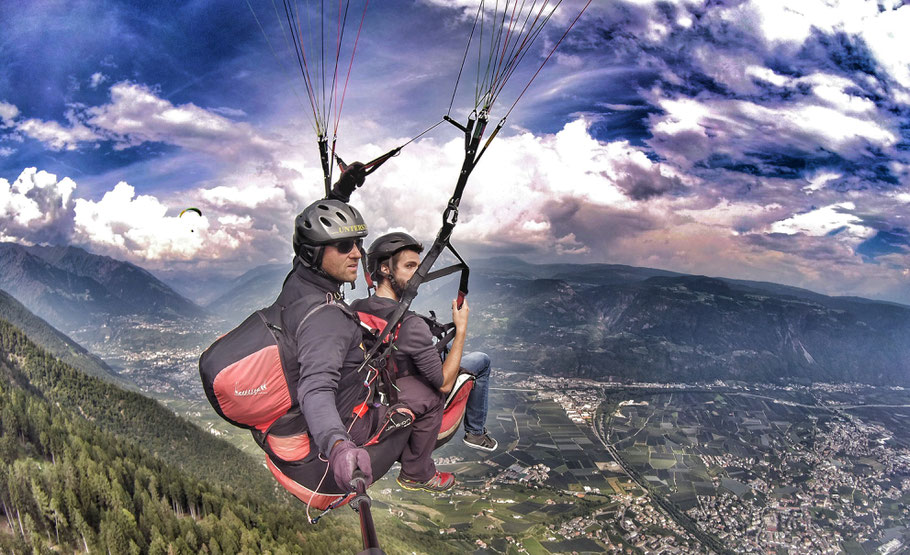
{"points": [[191, 209], [196, 210]]}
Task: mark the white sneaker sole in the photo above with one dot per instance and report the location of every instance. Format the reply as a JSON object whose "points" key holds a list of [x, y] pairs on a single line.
{"points": [[480, 447]]}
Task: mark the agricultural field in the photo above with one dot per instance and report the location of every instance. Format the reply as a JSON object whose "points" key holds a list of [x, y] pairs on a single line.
{"points": [[551, 487], [825, 469]]}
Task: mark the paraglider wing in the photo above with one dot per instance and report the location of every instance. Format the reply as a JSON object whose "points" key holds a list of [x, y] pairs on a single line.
{"points": [[196, 210]]}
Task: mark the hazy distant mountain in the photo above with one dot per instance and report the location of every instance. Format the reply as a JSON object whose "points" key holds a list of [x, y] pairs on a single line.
{"points": [[200, 287], [686, 328], [54, 341], [253, 290], [71, 288], [622, 322]]}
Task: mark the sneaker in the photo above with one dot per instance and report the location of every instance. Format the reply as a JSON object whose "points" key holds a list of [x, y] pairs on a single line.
{"points": [[480, 441], [441, 481]]}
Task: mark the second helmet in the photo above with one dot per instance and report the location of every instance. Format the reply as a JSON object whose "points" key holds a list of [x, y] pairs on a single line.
{"points": [[387, 245]]}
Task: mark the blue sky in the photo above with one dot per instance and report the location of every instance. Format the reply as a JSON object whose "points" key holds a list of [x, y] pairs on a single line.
{"points": [[752, 139]]}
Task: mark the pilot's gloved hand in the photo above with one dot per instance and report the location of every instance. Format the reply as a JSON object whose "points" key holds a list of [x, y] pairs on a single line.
{"points": [[352, 177], [344, 459]]}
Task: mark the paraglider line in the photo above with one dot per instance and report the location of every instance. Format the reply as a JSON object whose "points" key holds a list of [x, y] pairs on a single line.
{"points": [[503, 40], [432, 127], [325, 115], [505, 43], [339, 36], [533, 35], [517, 47], [350, 65], [463, 60], [490, 56], [301, 60], [548, 57], [522, 48], [272, 49]]}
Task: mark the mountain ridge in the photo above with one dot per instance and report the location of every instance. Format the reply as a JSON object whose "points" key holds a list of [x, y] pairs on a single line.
{"points": [[72, 288], [55, 341]]}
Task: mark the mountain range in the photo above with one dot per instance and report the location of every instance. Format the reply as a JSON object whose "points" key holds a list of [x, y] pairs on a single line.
{"points": [[603, 321], [611, 321], [71, 288], [249, 292], [622, 322]]}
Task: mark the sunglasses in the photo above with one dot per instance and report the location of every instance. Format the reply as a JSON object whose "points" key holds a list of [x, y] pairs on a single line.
{"points": [[347, 245]]}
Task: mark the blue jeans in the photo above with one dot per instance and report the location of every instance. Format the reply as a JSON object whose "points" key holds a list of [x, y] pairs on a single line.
{"points": [[475, 415]]}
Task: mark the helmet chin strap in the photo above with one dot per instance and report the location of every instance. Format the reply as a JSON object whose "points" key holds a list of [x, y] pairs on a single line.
{"points": [[366, 276], [315, 266]]}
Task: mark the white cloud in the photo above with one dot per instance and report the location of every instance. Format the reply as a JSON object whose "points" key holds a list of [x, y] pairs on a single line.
{"points": [[39, 208], [138, 226], [229, 112], [881, 26], [729, 215], [785, 22], [96, 79], [831, 89], [824, 220], [55, 136], [690, 130], [511, 196], [767, 74], [6, 151], [820, 180], [136, 115], [36, 208], [247, 197], [8, 113]]}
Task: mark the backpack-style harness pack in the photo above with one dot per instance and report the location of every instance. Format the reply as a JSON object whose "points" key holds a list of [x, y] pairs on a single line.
{"points": [[250, 374]]}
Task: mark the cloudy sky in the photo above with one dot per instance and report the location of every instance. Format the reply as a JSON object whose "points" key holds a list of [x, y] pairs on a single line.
{"points": [[746, 139]]}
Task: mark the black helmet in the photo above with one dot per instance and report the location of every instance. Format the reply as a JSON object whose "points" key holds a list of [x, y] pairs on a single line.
{"points": [[324, 222], [386, 246]]}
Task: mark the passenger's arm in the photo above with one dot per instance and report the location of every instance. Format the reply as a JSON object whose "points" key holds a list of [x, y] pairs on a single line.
{"points": [[416, 341], [453, 361]]}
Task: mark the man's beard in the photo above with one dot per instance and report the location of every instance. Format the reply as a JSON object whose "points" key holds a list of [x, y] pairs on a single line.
{"points": [[397, 287]]}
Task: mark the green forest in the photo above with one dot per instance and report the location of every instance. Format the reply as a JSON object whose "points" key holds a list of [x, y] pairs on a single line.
{"points": [[83, 469]]}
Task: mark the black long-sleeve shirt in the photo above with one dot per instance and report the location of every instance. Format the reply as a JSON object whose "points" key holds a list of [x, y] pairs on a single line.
{"points": [[328, 345]]}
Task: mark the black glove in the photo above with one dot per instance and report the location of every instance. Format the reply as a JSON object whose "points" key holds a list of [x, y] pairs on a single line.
{"points": [[352, 177], [344, 459]]}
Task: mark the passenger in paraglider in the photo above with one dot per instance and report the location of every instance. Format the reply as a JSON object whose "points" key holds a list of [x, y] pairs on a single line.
{"points": [[422, 377]]}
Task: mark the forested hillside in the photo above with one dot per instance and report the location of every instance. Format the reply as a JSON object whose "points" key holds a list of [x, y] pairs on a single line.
{"points": [[134, 417], [54, 341], [67, 485]]}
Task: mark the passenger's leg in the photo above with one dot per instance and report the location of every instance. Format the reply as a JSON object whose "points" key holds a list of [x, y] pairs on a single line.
{"points": [[427, 404], [475, 416]]}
